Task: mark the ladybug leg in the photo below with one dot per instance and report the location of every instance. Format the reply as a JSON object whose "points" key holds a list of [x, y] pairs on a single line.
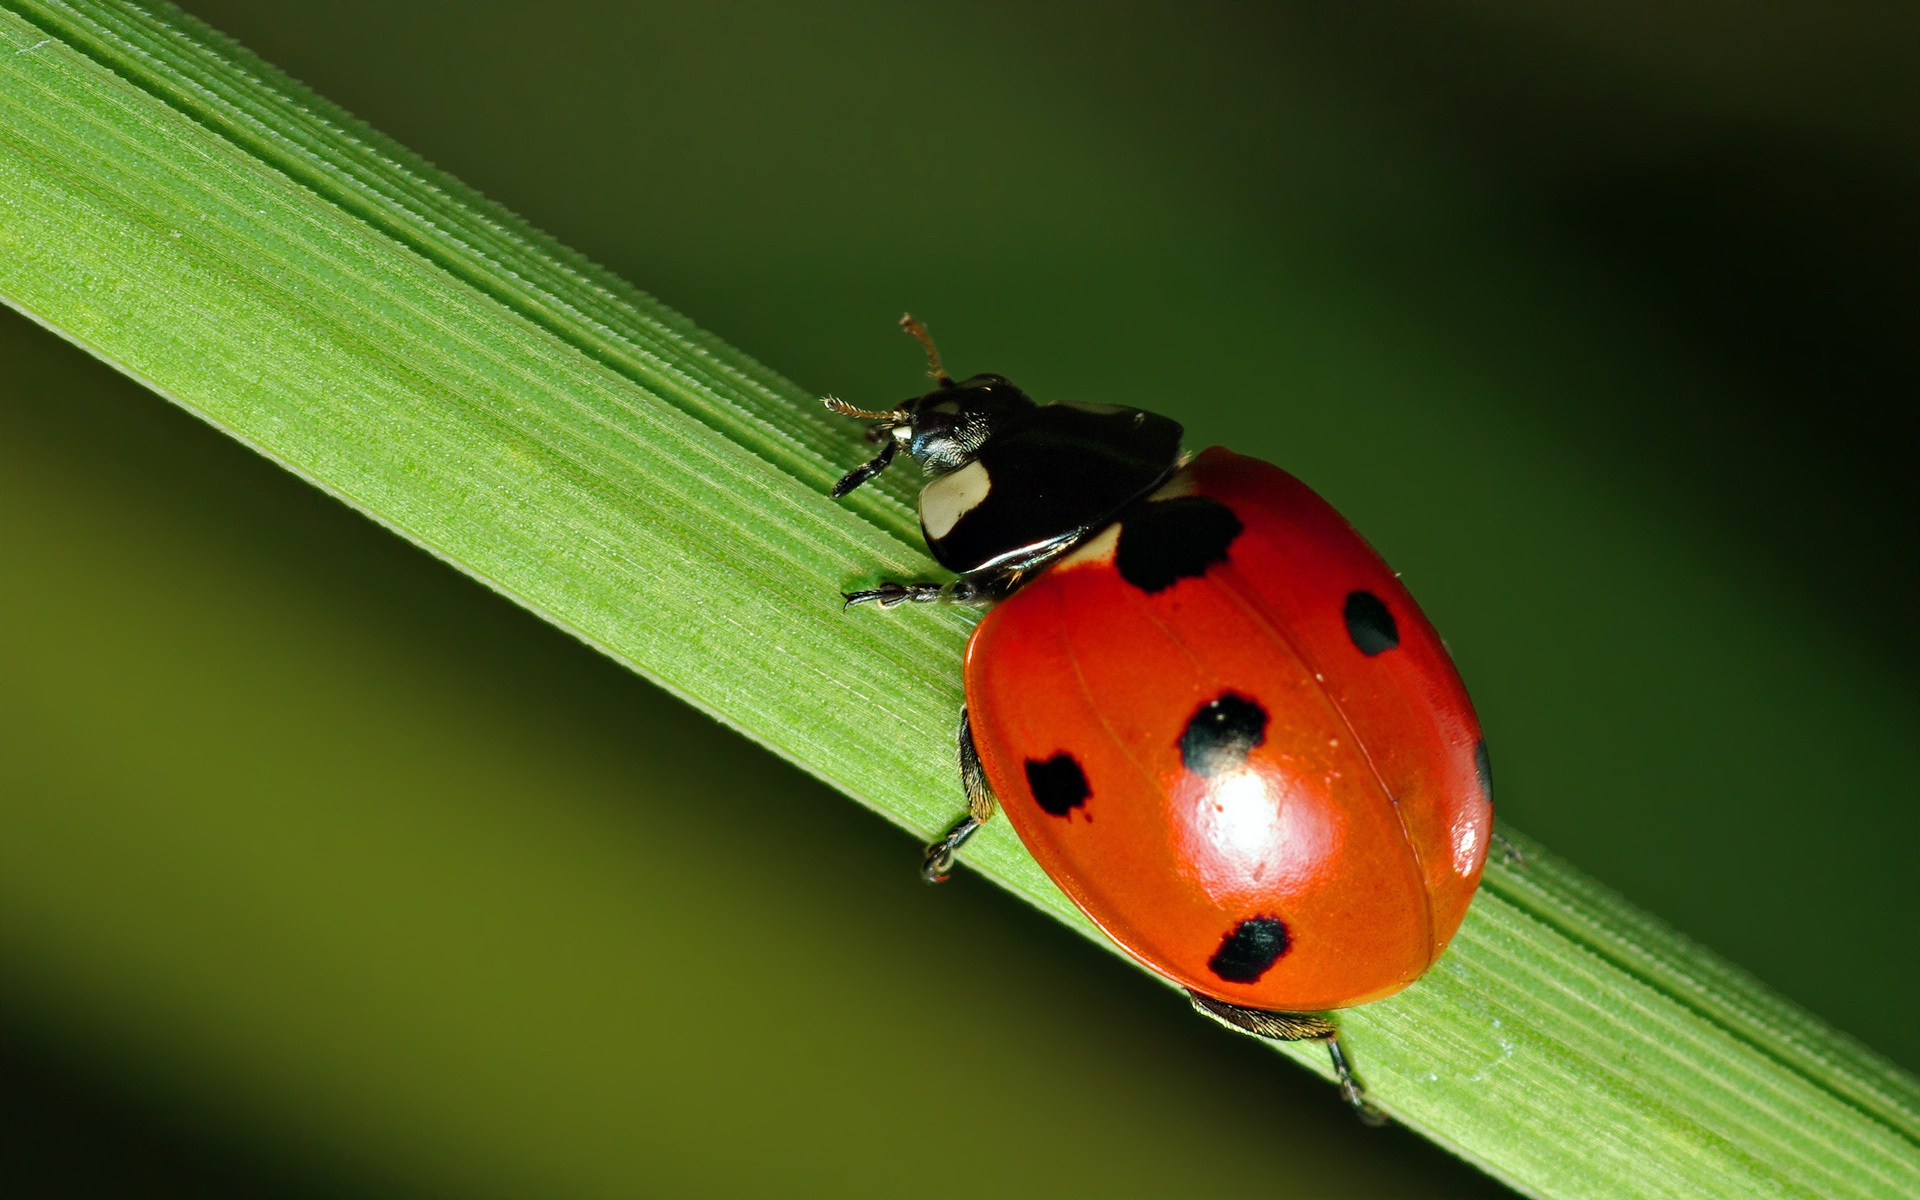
{"points": [[973, 777], [866, 470], [1295, 1027], [1509, 853], [980, 808], [938, 864], [1351, 1089], [891, 594], [968, 589]]}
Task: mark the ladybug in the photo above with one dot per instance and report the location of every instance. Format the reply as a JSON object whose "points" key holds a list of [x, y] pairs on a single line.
{"points": [[1211, 712]]}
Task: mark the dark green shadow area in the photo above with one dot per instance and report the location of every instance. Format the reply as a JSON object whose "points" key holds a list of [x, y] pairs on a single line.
{"points": [[1598, 334]]}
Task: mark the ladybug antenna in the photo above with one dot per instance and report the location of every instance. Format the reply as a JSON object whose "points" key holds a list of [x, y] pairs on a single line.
{"points": [[919, 334], [896, 416]]}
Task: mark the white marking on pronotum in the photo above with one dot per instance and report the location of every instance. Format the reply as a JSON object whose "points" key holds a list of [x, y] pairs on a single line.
{"points": [[952, 496]]}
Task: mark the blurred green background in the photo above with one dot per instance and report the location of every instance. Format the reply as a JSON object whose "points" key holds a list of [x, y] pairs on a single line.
{"points": [[325, 872]]}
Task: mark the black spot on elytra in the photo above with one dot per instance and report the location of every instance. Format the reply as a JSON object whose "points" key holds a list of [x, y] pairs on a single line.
{"points": [[1483, 767], [1369, 624], [1165, 541], [1059, 785], [1254, 945], [1221, 733]]}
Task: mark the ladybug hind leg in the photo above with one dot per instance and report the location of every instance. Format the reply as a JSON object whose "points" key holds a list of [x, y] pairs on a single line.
{"points": [[980, 807], [1295, 1027]]}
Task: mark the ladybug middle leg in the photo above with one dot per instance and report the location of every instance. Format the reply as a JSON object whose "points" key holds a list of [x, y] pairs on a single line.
{"points": [[980, 808], [891, 594], [1295, 1027], [981, 588]]}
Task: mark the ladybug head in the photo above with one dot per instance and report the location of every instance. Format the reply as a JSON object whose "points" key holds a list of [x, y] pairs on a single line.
{"points": [[941, 430]]}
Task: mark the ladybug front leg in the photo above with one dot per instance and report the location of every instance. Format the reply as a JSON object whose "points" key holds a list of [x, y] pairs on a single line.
{"points": [[866, 470], [980, 807]]}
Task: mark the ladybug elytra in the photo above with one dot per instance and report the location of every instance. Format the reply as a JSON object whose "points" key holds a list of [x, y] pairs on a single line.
{"points": [[1210, 711]]}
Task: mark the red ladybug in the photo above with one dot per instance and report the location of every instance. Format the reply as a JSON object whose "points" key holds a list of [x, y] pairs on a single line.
{"points": [[1212, 713]]}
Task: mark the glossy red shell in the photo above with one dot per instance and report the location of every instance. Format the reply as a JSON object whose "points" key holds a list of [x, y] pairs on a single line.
{"points": [[1360, 822]]}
